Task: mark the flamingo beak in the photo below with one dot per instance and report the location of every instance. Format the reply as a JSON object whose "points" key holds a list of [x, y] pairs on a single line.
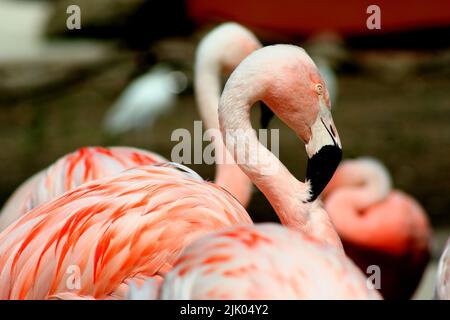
{"points": [[324, 152]]}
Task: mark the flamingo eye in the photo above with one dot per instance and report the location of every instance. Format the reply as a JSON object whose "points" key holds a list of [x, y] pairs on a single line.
{"points": [[319, 89]]}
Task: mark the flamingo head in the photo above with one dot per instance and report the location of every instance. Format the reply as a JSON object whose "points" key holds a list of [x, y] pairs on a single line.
{"points": [[237, 43], [299, 97]]}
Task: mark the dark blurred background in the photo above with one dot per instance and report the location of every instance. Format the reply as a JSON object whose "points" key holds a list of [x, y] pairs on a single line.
{"points": [[393, 84]]}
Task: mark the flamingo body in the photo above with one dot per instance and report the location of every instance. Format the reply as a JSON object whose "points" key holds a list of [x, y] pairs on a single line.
{"points": [[112, 230], [72, 170]]}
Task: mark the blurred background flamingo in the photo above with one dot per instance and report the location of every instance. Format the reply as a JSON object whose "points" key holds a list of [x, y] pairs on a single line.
{"points": [[379, 226], [70, 171]]}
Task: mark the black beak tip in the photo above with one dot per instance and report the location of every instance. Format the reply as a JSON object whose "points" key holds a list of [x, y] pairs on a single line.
{"points": [[321, 167]]}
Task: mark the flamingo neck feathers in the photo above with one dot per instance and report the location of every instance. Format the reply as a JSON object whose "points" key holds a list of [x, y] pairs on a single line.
{"points": [[287, 195]]}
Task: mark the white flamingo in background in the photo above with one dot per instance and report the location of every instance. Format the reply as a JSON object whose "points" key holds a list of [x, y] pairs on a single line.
{"points": [[133, 226], [224, 47]]}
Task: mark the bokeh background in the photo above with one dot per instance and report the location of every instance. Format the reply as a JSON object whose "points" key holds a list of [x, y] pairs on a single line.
{"points": [[392, 100]]}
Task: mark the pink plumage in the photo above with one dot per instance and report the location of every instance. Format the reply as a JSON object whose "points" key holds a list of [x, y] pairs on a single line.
{"points": [[379, 226], [70, 171], [265, 261], [112, 230]]}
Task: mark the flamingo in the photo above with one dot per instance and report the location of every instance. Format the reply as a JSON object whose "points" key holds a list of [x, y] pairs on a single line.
{"points": [[442, 288], [70, 171], [132, 227], [224, 47], [264, 261], [378, 225]]}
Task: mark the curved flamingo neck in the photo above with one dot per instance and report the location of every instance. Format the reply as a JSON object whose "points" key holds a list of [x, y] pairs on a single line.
{"points": [[286, 194], [207, 85]]}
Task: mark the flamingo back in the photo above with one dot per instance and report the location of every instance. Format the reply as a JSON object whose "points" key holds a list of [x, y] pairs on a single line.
{"points": [[108, 231], [70, 171]]}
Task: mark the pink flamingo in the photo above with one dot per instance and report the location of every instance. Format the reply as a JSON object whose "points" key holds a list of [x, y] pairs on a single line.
{"points": [[223, 48], [442, 288], [133, 226], [379, 226], [264, 261], [70, 171]]}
